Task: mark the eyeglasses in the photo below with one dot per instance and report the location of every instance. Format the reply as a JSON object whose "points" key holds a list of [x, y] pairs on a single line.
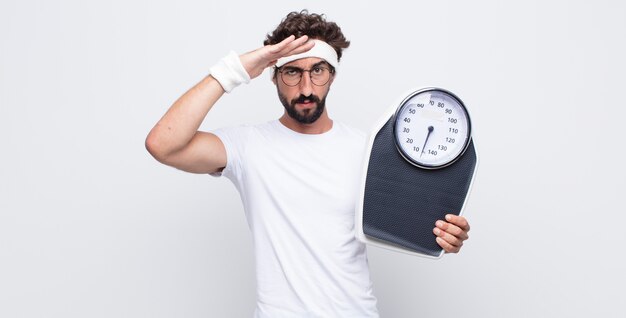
{"points": [[292, 76]]}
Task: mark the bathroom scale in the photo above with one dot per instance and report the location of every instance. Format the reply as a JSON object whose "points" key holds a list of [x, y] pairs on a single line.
{"points": [[420, 164]]}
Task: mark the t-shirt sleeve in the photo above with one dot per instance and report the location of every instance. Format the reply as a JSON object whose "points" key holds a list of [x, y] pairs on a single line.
{"points": [[234, 139]]}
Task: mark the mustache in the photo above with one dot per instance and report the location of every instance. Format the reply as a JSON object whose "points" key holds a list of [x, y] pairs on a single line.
{"points": [[302, 99]]}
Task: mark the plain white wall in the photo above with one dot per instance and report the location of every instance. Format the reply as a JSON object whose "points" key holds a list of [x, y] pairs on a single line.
{"points": [[92, 226]]}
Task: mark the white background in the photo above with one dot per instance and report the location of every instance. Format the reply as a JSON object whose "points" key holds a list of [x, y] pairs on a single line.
{"points": [[92, 226]]}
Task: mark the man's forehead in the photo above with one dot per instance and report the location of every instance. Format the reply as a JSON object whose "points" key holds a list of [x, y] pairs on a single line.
{"points": [[306, 62]]}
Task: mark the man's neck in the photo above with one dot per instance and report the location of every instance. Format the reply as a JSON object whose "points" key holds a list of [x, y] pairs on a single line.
{"points": [[320, 126]]}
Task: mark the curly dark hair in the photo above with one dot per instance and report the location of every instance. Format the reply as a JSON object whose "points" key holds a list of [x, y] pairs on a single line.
{"points": [[314, 26]]}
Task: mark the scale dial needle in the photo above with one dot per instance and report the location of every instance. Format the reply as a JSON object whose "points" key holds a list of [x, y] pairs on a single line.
{"points": [[430, 130]]}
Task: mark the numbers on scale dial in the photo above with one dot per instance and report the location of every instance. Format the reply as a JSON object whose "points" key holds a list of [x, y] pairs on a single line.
{"points": [[431, 128]]}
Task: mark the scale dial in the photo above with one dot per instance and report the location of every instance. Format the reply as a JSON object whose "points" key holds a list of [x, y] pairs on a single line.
{"points": [[432, 128]]}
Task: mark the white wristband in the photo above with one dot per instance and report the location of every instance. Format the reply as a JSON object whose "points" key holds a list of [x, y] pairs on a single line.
{"points": [[229, 72]]}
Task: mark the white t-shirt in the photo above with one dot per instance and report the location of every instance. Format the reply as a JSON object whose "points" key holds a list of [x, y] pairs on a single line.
{"points": [[299, 193]]}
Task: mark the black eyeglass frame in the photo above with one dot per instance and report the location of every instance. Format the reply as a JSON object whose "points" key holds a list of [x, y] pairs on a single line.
{"points": [[330, 69]]}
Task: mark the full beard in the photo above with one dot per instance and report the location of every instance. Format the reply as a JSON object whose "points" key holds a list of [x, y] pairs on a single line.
{"points": [[306, 116]]}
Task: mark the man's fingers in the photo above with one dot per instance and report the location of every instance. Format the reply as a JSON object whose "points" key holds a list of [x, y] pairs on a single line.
{"points": [[447, 246], [458, 221], [448, 238], [451, 234], [302, 48], [287, 45], [256, 61], [282, 44], [452, 229]]}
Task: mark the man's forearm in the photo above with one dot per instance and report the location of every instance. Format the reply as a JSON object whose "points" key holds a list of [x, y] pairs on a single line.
{"points": [[181, 122]]}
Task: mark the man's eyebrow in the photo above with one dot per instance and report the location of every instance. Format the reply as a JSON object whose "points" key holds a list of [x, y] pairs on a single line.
{"points": [[320, 63]]}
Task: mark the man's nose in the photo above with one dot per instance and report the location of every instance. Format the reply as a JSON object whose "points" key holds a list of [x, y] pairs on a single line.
{"points": [[306, 86]]}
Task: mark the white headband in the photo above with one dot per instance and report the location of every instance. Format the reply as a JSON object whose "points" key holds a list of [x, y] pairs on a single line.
{"points": [[321, 49]]}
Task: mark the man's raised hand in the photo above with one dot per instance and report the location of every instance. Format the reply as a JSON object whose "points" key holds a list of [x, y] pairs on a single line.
{"points": [[256, 61]]}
